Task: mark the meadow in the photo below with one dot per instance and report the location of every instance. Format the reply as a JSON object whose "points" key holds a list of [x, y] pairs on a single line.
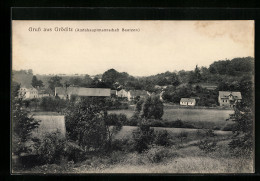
{"points": [[200, 118], [180, 157]]}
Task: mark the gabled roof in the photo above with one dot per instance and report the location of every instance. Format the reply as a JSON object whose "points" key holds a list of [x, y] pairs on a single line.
{"points": [[187, 100], [28, 89], [122, 90], [226, 94]]}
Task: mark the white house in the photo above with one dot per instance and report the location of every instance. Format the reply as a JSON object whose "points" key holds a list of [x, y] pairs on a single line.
{"points": [[122, 93], [28, 93], [135, 93], [187, 102]]}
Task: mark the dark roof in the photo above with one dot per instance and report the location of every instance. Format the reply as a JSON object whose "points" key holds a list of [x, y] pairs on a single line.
{"points": [[226, 94]]}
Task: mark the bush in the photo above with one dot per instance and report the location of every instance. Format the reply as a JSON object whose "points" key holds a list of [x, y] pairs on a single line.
{"points": [[159, 154], [162, 138], [50, 148], [116, 157], [207, 145], [143, 137], [74, 153], [228, 127], [182, 136], [156, 123], [134, 120], [178, 124]]}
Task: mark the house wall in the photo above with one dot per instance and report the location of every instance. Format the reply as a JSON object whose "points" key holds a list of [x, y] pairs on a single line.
{"points": [[187, 103]]}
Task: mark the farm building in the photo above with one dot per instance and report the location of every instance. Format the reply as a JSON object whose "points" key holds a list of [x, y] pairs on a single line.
{"points": [[28, 93], [122, 93], [229, 98], [43, 93], [66, 92], [135, 93], [187, 102]]}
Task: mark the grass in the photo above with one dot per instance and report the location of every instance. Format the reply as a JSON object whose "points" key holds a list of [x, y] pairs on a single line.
{"points": [[126, 132], [179, 160], [200, 118]]}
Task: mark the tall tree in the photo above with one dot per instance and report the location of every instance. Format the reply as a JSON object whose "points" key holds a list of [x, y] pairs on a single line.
{"points": [[22, 127], [85, 123], [54, 82], [110, 77], [36, 83], [242, 140], [153, 108]]}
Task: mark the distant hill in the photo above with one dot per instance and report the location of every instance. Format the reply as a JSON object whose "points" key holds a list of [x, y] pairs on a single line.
{"points": [[25, 79]]}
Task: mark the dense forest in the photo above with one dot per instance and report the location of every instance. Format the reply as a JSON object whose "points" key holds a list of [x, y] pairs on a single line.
{"points": [[229, 75]]}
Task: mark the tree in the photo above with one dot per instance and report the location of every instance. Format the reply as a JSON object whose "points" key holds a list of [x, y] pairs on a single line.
{"points": [[152, 108], [36, 83], [110, 77], [54, 82], [85, 123], [242, 140], [143, 136], [22, 127]]}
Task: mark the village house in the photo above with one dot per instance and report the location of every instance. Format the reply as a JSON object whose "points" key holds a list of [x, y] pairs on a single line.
{"points": [[135, 93], [229, 98], [66, 92], [28, 93], [122, 93], [43, 93], [187, 102]]}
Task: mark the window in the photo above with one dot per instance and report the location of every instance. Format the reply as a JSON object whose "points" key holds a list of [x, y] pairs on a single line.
{"points": [[223, 100]]}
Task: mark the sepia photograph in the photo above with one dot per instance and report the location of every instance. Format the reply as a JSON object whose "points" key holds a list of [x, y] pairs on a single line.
{"points": [[132, 96]]}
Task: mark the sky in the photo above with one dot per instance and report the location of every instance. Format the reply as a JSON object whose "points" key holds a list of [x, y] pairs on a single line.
{"points": [[156, 46]]}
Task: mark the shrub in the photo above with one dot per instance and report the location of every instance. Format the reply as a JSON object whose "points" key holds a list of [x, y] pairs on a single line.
{"points": [[134, 120], [156, 123], [216, 128], [143, 137], [182, 136], [116, 157], [51, 148], [207, 145], [178, 124], [228, 127], [162, 138], [74, 153], [159, 154]]}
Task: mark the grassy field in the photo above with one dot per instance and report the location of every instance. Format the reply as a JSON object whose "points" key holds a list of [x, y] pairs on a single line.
{"points": [[179, 160], [200, 118], [172, 114], [126, 133]]}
